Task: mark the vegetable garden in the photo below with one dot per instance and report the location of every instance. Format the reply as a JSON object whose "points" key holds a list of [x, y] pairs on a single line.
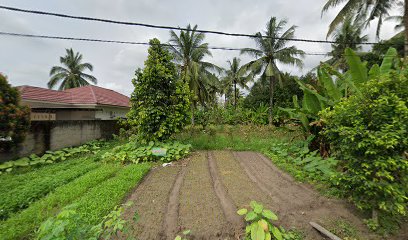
{"points": [[330, 159]]}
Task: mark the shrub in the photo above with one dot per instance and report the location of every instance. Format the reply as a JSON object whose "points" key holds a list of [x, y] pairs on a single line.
{"points": [[133, 153], [160, 101], [369, 133], [14, 119]]}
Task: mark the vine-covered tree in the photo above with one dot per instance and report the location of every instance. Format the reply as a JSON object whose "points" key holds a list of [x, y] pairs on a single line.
{"points": [[160, 101], [71, 74], [14, 118], [272, 50]]}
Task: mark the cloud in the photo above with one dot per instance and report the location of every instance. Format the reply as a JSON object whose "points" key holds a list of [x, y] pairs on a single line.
{"points": [[28, 61]]}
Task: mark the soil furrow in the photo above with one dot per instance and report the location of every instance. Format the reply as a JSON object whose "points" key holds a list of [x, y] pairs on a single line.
{"points": [[150, 203], [225, 200], [172, 211], [200, 210]]}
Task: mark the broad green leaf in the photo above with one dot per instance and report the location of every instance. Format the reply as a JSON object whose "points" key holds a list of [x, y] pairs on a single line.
{"points": [[242, 211], [260, 233], [186, 232], [374, 71], [311, 103], [328, 83], [263, 224], [388, 60], [276, 233], [358, 70], [178, 238], [269, 215], [250, 216], [268, 236], [258, 208], [254, 229], [252, 204]]}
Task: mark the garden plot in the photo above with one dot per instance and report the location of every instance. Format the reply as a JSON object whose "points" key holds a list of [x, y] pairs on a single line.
{"points": [[203, 192]]}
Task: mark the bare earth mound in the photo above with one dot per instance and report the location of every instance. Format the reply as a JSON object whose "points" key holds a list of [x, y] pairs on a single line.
{"points": [[203, 192]]}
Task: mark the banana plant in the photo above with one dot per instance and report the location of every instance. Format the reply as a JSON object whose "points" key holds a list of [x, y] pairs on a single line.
{"points": [[333, 85]]}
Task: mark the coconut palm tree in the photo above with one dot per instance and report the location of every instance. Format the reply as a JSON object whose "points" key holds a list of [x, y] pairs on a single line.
{"points": [[398, 18], [348, 35], [189, 50], [236, 75], [272, 49], [71, 73], [366, 10]]}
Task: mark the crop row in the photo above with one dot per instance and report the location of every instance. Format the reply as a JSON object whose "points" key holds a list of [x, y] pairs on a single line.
{"points": [[22, 196]]}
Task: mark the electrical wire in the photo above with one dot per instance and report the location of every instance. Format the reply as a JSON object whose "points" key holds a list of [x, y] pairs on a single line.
{"points": [[174, 28], [122, 42]]}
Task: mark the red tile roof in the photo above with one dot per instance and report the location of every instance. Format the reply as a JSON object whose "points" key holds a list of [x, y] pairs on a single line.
{"points": [[91, 95]]}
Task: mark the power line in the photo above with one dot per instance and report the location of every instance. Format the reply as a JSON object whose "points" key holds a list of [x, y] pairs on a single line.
{"points": [[173, 28], [122, 42]]}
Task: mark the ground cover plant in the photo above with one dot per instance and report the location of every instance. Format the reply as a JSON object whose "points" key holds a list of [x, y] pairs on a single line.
{"points": [[50, 157], [36, 194], [132, 152]]}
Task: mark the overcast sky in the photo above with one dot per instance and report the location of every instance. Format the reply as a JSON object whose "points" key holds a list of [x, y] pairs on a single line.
{"points": [[28, 61]]}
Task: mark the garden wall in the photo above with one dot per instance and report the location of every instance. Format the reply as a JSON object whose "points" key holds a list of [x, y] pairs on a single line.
{"points": [[54, 135]]}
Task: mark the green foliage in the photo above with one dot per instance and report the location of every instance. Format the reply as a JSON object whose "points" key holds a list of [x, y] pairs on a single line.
{"points": [[24, 223], [183, 236], [260, 224], [71, 73], [68, 224], [160, 101], [14, 118], [132, 152], [22, 196], [101, 199], [52, 156], [310, 163], [369, 133]]}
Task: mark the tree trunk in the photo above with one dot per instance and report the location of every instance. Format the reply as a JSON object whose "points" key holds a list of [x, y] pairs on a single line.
{"points": [[406, 28], [235, 93], [271, 100]]}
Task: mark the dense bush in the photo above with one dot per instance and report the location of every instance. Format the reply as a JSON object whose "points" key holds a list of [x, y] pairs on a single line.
{"points": [[14, 119], [160, 101], [369, 133]]}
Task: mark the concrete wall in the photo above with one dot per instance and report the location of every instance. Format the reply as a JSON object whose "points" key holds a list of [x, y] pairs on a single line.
{"points": [[110, 113], [54, 135]]}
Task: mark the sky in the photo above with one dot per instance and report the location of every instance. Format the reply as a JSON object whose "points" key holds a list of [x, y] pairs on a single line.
{"points": [[27, 61]]}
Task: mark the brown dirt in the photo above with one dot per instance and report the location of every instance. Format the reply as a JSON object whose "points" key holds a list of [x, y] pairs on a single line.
{"points": [[202, 194]]}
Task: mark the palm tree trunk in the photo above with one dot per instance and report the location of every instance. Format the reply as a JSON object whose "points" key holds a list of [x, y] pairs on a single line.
{"points": [[406, 28], [271, 90], [235, 93]]}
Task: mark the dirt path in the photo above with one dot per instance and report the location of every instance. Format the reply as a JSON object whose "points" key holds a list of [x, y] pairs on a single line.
{"points": [[203, 192]]}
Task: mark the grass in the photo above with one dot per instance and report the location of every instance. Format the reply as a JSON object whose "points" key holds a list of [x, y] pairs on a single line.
{"points": [[92, 186]]}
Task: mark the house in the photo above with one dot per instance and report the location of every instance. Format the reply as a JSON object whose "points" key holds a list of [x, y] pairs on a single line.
{"points": [[82, 103]]}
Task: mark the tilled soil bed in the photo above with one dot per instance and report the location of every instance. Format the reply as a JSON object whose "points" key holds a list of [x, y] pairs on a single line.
{"points": [[202, 194]]}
